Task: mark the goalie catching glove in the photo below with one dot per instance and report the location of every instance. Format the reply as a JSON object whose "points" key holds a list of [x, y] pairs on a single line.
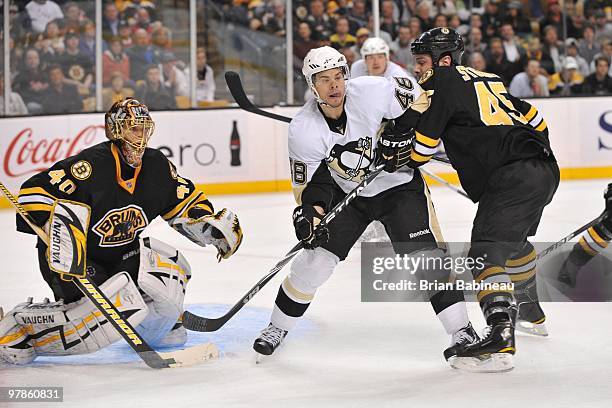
{"points": [[394, 148], [305, 221], [222, 230]]}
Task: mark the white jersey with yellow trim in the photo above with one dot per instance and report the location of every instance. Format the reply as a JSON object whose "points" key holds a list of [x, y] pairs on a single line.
{"points": [[349, 153]]}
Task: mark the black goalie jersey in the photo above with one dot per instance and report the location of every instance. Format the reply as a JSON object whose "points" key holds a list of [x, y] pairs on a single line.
{"points": [[482, 126], [123, 200]]}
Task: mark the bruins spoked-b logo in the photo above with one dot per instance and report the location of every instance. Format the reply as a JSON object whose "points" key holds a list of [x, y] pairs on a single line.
{"points": [[120, 226], [351, 161]]}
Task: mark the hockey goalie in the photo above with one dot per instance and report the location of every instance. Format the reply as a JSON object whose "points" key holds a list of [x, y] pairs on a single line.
{"points": [[112, 190]]}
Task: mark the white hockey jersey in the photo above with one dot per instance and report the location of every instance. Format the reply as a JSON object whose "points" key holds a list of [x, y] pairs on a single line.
{"points": [[350, 156]]}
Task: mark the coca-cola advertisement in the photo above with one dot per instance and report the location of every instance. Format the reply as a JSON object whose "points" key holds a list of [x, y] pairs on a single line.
{"points": [[209, 147]]}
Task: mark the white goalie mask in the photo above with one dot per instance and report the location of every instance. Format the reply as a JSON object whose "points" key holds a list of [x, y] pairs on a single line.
{"points": [[319, 60], [374, 45]]}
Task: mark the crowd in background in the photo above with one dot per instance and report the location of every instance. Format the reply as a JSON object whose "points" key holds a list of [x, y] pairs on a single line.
{"points": [[528, 43], [53, 49]]}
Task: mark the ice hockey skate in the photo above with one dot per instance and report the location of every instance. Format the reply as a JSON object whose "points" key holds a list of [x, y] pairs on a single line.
{"points": [[268, 341]]}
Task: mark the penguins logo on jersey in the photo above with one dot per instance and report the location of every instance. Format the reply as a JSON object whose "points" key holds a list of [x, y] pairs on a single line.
{"points": [[120, 226], [351, 161]]}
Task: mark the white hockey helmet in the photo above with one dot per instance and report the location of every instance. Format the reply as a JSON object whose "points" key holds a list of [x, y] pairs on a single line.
{"points": [[374, 45], [321, 59]]}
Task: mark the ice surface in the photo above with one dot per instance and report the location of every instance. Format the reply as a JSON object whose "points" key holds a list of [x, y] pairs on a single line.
{"points": [[344, 353]]}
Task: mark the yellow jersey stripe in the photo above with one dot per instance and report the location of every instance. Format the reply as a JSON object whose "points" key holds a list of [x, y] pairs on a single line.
{"points": [[36, 190], [521, 261], [426, 140], [180, 206], [531, 114], [37, 207], [541, 126], [586, 247], [597, 238], [418, 158]]}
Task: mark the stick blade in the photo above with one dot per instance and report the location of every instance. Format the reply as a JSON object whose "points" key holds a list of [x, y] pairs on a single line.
{"points": [[234, 83], [192, 355]]}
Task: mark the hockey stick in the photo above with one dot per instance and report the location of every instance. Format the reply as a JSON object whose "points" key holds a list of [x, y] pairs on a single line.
{"points": [[445, 183], [204, 324], [237, 90], [569, 237], [90, 289]]}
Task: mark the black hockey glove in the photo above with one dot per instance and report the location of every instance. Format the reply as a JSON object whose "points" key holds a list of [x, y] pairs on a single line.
{"points": [[394, 148], [305, 221], [607, 221]]}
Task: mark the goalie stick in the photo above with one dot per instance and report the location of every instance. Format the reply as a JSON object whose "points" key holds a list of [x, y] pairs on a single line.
{"points": [[204, 324], [91, 290], [237, 90]]}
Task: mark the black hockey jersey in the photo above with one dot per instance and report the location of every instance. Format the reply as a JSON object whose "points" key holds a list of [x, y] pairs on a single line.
{"points": [[482, 126], [123, 200]]}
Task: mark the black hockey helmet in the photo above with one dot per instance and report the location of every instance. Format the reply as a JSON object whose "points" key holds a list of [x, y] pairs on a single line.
{"points": [[439, 42]]}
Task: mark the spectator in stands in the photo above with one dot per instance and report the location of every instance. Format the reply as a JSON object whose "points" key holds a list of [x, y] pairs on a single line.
{"points": [[475, 43], [153, 92], [117, 91], [16, 105], [44, 48], [455, 23], [61, 96], [110, 20], [529, 83], [173, 77], [491, 19], [304, 42], [416, 27], [87, 42], [125, 33], [274, 22], [77, 67], [41, 12], [115, 61], [444, 7], [388, 20], [587, 47], [568, 82], [497, 62], [423, 12], [591, 7], [141, 54], [534, 51], [553, 47], [131, 7], [603, 27], [55, 37], [477, 61], [401, 49], [342, 38], [599, 82], [362, 35], [74, 17], [320, 23], [382, 33], [476, 22], [554, 17], [31, 82], [349, 54], [358, 15], [513, 50], [205, 86], [160, 41], [520, 24], [571, 50], [440, 20], [606, 51], [142, 19]]}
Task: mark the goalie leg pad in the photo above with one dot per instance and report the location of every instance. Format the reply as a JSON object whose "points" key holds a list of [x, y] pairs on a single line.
{"points": [[56, 329], [163, 277]]}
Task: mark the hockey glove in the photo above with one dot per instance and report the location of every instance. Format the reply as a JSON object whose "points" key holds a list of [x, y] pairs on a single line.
{"points": [[305, 221], [394, 148], [607, 221]]}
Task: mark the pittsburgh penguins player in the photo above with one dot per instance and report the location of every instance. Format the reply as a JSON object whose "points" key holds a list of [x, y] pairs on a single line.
{"points": [[499, 146], [126, 185], [375, 61], [332, 147], [591, 243]]}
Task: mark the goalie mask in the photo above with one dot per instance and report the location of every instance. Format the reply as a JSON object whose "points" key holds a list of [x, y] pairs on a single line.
{"points": [[129, 124]]}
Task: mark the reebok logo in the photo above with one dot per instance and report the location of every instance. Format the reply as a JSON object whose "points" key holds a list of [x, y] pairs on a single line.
{"points": [[419, 233]]}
